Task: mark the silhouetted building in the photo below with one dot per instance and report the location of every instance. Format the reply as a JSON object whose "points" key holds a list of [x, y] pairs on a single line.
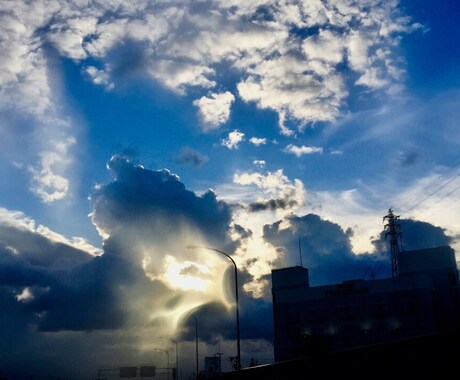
{"points": [[422, 300]]}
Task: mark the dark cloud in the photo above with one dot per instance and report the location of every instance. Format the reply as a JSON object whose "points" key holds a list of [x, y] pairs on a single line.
{"points": [[326, 250], [216, 321], [416, 235], [190, 156], [273, 205], [39, 251], [49, 289], [35, 299], [257, 319], [243, 233], [128, 62], [141, 205], [94, 295], [17, 273], [14, 328], [408, 158], [91, 296]]}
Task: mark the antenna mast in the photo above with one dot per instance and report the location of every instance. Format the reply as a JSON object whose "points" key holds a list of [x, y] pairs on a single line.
{"points": [[300, 253], [393, 229]]}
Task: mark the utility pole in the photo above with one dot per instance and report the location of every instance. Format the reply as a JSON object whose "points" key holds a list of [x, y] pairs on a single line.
{"points": [[196, 345], [393, 229], [177, 359]]}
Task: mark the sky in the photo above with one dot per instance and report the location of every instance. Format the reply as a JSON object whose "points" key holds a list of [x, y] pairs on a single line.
{"points": [[277, 132]]}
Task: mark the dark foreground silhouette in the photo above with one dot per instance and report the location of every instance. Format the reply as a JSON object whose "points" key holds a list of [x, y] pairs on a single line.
{"points": [[431, 357]]}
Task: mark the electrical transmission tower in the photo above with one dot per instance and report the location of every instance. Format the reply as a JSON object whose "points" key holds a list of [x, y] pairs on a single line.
{"points": [[393, 229]]}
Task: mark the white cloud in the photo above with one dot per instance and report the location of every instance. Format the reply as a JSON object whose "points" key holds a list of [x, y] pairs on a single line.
{"points": [[258, 266], [68, 35], [47, 183], [109, 34], [20, 221], [17, 219], [301, 150], [100, 77], [251, 187], [215, 109], [31, 97], [177, 76], [358, 47], [257, 141], [24, 83], [25, 296], [220, 39], [326, 46], [303, 77], [288, 85], [260, 163], [77, 242], [183, 46], [233, 140], [374, 78], [274, 185]]}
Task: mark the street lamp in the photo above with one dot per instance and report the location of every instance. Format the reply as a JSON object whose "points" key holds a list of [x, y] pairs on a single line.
{"points": [[238, 356], [167, 357], [177, 358]]}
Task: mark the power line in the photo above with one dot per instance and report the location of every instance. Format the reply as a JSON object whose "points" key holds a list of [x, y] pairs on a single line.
{"points": [[443, 185], [442, 198], [451, 203]]}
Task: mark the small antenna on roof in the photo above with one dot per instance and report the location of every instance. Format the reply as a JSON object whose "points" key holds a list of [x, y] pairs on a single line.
{"points": [[300, 253]]}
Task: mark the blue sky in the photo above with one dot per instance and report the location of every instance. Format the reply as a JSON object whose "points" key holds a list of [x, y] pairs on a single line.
{"points": [[130, 131]]}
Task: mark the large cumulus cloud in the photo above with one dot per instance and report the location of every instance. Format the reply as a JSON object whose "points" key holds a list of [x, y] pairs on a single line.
{"points": [[143, 205], [52, 288]]}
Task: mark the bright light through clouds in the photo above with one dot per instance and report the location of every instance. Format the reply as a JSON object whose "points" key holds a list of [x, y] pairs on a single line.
{"points": [[188, 275], [130, 130]]}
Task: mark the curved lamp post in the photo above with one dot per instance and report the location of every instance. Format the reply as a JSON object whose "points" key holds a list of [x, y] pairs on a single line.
{"points": [[167, 357], [238, 356]]}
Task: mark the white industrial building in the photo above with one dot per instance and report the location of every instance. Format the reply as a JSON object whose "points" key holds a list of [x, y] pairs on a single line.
{"points": [[421, 299]]}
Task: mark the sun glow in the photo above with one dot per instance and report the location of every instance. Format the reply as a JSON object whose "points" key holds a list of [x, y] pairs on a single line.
{"points": [[187, 275], [185, 285]]}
